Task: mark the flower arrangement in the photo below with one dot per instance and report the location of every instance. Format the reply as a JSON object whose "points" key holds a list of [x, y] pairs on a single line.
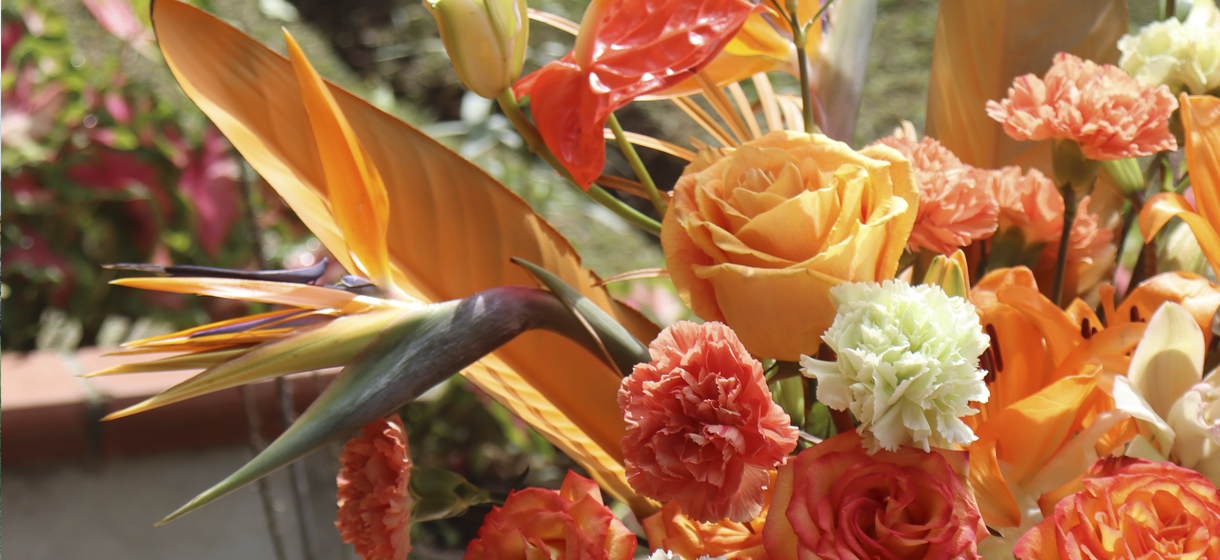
{"points": [[881, 372]]}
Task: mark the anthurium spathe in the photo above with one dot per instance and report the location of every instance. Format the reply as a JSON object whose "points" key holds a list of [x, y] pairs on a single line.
{"points": [[323, 150], [623, 50]]}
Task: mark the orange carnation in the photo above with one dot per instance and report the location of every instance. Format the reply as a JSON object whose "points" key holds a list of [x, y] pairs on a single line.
{"points": [[540, 524], [1110, 114], [702, 429], [955, 205], [374, 505], [1131, 508]]}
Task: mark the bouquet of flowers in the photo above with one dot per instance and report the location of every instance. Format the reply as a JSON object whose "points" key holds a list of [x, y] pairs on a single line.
{"points": [[990, 341]]}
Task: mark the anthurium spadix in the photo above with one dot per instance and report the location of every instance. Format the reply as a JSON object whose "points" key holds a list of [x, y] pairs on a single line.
{"points": [[449, 232], [485, 40]]}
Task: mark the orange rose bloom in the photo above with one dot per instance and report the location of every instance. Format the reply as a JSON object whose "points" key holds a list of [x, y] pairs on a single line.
{"points": [[374, 505], [835, 501], [670, 529], [539, 524], [1131, 508], [756, 236]]}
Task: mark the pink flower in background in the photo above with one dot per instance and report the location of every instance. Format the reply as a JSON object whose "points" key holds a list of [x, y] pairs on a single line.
{"points": [[702, 429], [28, 111], [209, 180], [10, 33], [955, 209], [110, 170], [661, 302], [374, 505], [119, 18], [117, 106], [1109, 113]]}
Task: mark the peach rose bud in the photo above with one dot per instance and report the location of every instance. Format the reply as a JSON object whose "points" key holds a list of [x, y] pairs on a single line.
{"points": [[702, 429], [540, 524]]}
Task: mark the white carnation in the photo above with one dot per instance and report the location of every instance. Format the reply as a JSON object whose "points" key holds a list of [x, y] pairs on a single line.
{"points": [[661, 554], [1182, 56], [907, 363]]}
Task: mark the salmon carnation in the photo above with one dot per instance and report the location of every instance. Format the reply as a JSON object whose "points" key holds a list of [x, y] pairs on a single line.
{"points": [[1108, 113], [1131, 508], [702, 429], [374, 505], [955, 207], [540, 524]]}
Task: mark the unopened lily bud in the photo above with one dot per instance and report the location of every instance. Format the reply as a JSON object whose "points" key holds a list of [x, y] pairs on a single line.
{"points": [[485, 40], [949, 272]]}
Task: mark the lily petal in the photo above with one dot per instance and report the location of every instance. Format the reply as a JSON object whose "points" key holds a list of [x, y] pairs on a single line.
{"points": [[1169, 359], [1162, 207], [1201, 118]]}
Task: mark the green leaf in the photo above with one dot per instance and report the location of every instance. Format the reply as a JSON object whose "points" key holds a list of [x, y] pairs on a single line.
{"points": [[440, 494], [412, 354], [789, 394], [818, 422], [623, 349]]}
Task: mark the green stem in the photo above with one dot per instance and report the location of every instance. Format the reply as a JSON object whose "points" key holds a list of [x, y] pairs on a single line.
{"points": [[806, 95], [637, 165], [508, 104], [1069, 217]]}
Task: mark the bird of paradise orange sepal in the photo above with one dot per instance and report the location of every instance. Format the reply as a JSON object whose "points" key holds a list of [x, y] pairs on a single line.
{"points": [[421, 221]]}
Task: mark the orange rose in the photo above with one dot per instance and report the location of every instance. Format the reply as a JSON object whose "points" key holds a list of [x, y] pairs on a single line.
{"points": [[1131, 508], [839, 502], [670, 529], [539, 524], [756, 236]]}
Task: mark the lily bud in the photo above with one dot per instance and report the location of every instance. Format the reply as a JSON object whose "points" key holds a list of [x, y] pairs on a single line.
{"points": [[485, 40], [949, 272]]}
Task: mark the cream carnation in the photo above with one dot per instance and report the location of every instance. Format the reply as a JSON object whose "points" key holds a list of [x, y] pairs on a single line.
{"points": [[907, 363], [1181, 56]]}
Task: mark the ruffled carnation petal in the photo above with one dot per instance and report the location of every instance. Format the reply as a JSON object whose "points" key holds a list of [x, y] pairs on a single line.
{"points": [[374, 504], [701, 426]]}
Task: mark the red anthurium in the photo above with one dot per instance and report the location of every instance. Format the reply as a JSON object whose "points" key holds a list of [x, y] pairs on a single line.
{"points": [[624, 50]]}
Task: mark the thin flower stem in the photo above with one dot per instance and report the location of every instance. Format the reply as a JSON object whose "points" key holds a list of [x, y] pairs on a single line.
{"points": [[806, 95], [508, 104], [637, 165], [1069, 217]]}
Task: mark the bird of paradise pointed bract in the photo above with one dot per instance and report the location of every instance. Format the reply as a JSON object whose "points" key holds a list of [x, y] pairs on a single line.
{"points": [[424, 226]]}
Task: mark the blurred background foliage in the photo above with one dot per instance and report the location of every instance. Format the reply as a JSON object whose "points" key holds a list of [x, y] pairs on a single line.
{"points": [[105, 160]]}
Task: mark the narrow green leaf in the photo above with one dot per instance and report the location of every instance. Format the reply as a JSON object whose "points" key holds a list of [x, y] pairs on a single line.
{"points": [[440, 494], [413, 353], [818, 422], [789, 394], [624, 349]]}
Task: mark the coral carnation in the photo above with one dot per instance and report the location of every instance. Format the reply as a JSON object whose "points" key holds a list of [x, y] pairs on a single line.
{"points": [[955, 207], [702, 429], [1110, 114], [374, 505]]}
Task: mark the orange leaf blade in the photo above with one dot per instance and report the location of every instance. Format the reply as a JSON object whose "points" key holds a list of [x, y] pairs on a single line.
{"points": [[357, 194]]}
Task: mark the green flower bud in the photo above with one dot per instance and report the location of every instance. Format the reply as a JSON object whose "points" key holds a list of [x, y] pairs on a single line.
{"points": [[485, 40]]}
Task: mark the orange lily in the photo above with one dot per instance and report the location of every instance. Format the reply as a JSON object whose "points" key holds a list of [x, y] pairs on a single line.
{"points": [[1059, 396], [618, 57], [1201, 118], [424, 224]]}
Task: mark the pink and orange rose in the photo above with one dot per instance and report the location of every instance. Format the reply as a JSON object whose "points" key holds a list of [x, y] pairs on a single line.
{"points": [[1131, 508], [835, 501], [702, 429], [671, 530], [540, 524]]}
